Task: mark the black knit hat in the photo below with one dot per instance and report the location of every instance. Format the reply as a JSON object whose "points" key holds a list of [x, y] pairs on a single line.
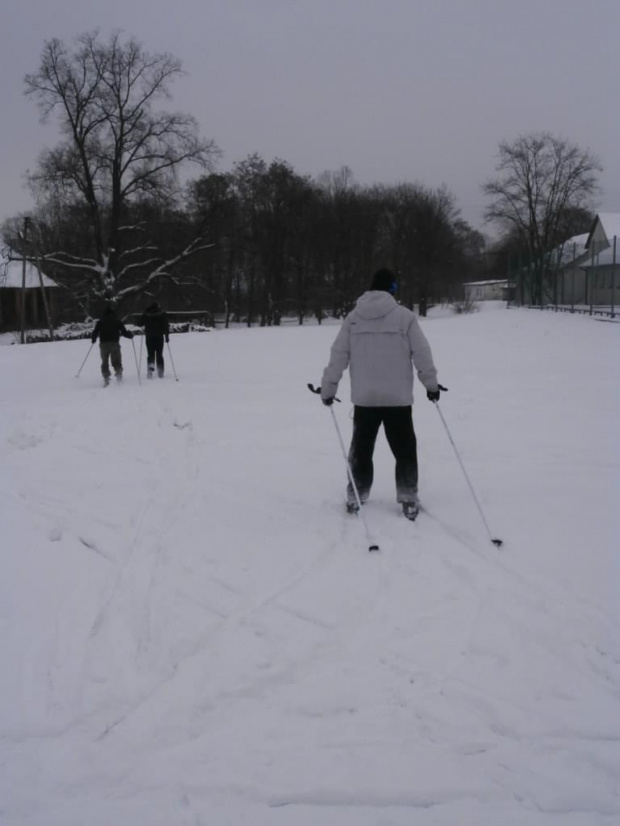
{"points": [[385, 280]]}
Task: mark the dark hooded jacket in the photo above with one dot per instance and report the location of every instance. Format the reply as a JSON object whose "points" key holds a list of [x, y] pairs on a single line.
{"points": [[109, 328], [155, 321]]}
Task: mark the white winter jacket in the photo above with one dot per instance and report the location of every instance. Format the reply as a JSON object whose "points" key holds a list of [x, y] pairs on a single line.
{"points": [[377, 342]]}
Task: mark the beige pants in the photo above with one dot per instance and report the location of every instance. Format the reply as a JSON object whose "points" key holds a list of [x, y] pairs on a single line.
{"points": [[110, 351]]}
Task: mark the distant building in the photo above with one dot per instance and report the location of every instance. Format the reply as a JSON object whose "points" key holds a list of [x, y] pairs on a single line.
{"points": [[495, 290], [11, 273], [602, 273], [582, 270], [565, 262], [605, 228], [601, 264]]}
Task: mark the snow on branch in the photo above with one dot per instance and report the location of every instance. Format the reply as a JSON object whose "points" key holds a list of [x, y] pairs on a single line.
{"points": [[71, 261], [135, 250], [137, 265], [164, 269], [141, 227]]}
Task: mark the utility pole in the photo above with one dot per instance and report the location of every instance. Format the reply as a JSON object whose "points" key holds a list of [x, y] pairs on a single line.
{"points": [[48, 315], [24, 240]]}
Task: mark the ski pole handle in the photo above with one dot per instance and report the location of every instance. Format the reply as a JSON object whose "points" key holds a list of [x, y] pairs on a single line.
{"points": [[314, 389]]}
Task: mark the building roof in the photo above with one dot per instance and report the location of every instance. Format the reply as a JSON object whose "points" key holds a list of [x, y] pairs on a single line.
{"points": [[485, 283], [11, 276], [604, 258], [610, 221], [572, 249]]}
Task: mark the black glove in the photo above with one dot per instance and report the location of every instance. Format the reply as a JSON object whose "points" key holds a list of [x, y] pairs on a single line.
{"points": [[433, 395], [93, 339], [328, 401], [167, 339], [130, 335]]}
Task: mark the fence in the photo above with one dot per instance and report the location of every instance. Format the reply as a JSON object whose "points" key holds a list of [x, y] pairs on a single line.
{"points": [[572, 279], [186, 318]]}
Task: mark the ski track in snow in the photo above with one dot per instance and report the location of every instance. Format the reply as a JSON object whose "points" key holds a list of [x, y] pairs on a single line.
{"points": [[199, 634]]}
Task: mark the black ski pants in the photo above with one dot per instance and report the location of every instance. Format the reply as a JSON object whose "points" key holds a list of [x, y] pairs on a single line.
{"points": [[398, 425], [155, 352]]}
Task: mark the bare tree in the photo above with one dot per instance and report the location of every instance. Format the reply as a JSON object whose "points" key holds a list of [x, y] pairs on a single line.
{"points": [[540, 179], [117, 149]]}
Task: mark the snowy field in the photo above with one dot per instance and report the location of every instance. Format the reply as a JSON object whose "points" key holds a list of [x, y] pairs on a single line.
{"points": [[193, 633]]}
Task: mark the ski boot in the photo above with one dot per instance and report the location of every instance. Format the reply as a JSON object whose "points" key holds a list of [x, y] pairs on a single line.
{"points": [[411, 510]]}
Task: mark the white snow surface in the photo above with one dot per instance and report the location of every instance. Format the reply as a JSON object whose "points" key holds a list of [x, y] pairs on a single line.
{"points": [[192, 631]]}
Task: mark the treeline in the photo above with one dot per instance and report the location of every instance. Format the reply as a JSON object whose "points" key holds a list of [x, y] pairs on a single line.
{"points": [[261, 241], [274, 243], [288, 245], [254, 244]]}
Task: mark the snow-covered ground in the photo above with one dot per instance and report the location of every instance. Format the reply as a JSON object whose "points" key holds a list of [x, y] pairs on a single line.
{"points": [[193, 632]]}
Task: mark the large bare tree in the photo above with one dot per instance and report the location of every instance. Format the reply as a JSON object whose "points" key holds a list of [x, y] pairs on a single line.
{"points": [[540, 179], [117, 151]]}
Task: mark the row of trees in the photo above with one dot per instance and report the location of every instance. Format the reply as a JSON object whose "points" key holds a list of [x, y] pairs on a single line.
{"points": [[286, 244], [113, 221]]}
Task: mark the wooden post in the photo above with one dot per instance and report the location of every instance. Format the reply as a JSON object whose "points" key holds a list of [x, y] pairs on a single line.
{"points": [[23, 298], [45, 304], [572, 298], [613, 281], [22, 303], [35, 310], [507, 280], [590, 282], [557, 277]]}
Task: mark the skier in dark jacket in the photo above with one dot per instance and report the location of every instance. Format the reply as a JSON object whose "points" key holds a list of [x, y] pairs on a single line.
{"points": [[108, 330], [156, 329]]}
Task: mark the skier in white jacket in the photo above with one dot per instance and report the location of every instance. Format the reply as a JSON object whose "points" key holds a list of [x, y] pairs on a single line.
{"points": [[378, 342]]}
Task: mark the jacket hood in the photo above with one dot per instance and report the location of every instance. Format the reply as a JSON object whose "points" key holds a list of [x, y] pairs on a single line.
{"points": [[375, 304]]}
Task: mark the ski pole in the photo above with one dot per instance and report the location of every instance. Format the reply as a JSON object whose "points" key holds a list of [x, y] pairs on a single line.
{"points": [[172, 361], [77, 375], [373, 546], [140, 356], [136, 360], [497, 542]]}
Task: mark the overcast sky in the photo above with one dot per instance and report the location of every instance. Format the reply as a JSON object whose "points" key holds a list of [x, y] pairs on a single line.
{"points": [[398, 90]]}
